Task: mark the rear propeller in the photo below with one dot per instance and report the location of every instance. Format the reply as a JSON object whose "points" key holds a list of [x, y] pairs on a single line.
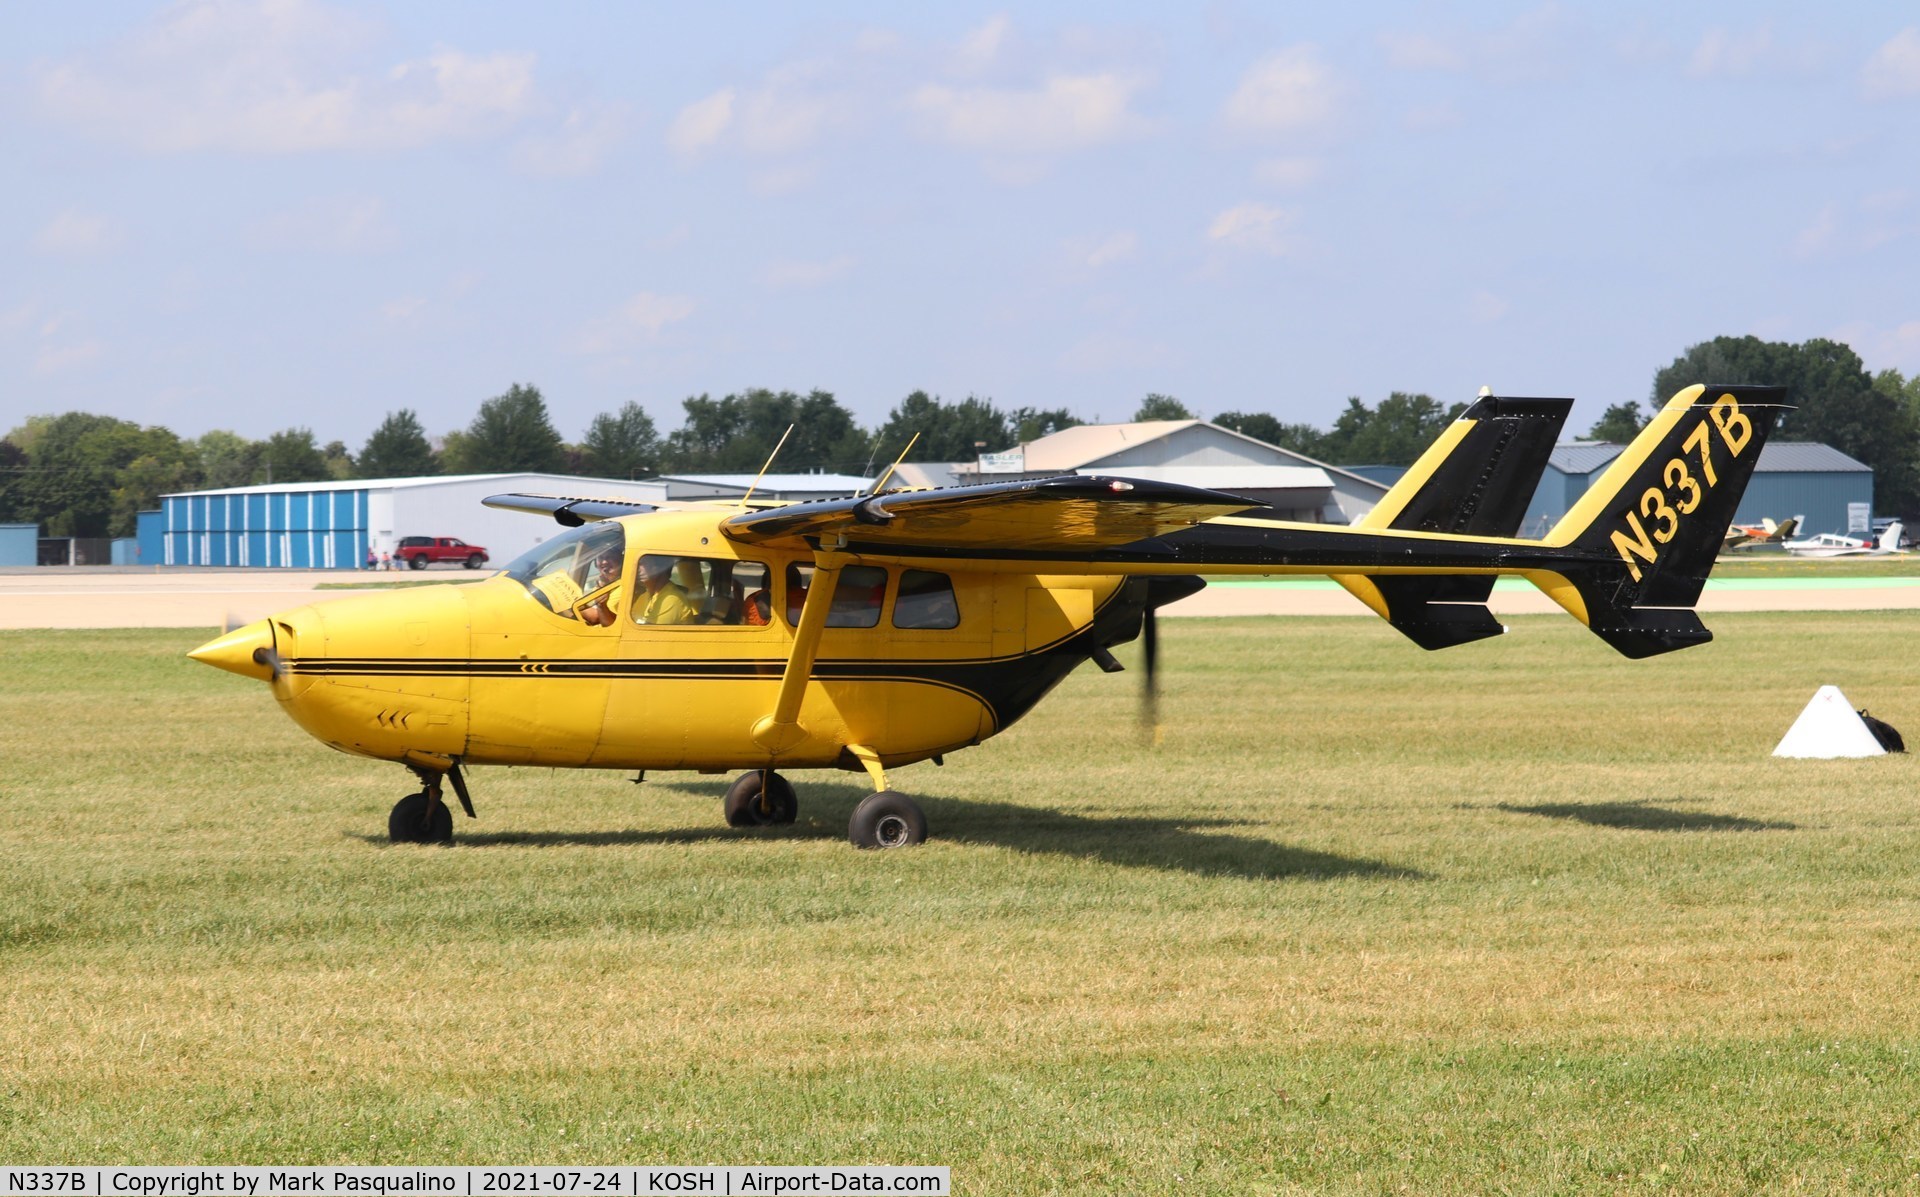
{"points": [[1150, 682]]}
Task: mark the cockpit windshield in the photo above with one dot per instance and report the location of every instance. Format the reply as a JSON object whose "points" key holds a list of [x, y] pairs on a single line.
{"points": [[557, 572]]}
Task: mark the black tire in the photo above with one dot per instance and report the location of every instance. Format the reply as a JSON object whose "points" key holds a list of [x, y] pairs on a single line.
{"points": [[475, 561], [419, 561], [411, 824], [744, 807], [887, 820]]}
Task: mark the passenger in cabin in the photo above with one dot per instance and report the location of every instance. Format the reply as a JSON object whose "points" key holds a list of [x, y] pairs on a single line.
{"points": [[664, 602], [603, 612]]}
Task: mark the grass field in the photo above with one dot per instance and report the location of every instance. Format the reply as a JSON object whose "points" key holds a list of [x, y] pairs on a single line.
{"points": [[1521, 916]]}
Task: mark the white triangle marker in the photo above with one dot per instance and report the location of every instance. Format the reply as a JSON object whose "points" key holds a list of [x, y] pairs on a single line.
{"points": [[1829, 727]]}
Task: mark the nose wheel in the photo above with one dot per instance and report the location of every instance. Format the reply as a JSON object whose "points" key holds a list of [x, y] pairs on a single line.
{"points": [[761, 798], [420, 819], [423, 818]]}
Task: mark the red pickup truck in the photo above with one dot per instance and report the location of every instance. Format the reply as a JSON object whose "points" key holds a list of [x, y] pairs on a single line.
{"points": [[421, 551]]}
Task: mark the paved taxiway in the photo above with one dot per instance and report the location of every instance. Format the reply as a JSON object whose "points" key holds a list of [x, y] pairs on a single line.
{"points": [[108, 597]]}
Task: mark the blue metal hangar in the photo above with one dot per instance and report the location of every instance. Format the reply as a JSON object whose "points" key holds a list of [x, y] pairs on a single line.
{"points": [[333, 525]]}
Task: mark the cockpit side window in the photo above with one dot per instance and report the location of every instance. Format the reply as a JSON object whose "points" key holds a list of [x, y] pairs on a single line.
{"points": [[559, 572]]}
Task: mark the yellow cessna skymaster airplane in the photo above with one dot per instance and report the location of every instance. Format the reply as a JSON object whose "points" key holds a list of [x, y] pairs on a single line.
{"points": [[871, 632]]}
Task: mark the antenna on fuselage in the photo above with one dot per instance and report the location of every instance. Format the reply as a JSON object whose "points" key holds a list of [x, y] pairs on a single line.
{"points": [[768, 466], [875, 488]]}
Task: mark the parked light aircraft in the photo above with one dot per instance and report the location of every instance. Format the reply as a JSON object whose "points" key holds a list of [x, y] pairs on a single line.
{"points": [[1833, 544], [1742, 536], [872, 632]]}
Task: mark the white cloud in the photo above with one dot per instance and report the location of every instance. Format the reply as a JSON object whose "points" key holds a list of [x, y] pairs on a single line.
{"points": [[1422, 52], [702, 123], [578, 146], [1117, 248], [76, 234], [266, 78], [1066, 112], [641, 318], [982, 46], [1261, 228], [1548, 42], [1894, 69], [787, 113], [1724, 53], [402, 310], [1286, 92], [56, 350], [331, 224], [1484, 307], [796, 275]]}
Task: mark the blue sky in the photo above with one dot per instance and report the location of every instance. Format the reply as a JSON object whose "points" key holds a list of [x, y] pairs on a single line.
{"points": [[254, 215]]}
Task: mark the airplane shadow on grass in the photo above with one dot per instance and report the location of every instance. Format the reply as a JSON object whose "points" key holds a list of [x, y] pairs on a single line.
{"points": [[1644, 816], [1205, 846]]}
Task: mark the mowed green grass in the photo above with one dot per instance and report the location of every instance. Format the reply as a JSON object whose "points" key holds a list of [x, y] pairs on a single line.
{"points": [[1521, 916]]}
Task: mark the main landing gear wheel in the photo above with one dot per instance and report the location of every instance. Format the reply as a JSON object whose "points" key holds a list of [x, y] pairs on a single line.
{"points": [[420, 819], [886, 820], [747, 806]]}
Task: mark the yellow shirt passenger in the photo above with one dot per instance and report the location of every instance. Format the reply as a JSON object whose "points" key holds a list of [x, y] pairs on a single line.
{"points": [[664, 602]]}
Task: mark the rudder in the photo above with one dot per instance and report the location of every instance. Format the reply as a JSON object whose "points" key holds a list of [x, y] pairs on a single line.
{"points": [[1641, 542]]}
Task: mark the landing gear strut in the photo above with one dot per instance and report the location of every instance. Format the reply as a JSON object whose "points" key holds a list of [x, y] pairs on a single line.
{"points": [[761, 798]]}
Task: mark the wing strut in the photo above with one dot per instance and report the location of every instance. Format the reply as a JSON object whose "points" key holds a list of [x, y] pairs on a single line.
{"points": [[781, 730]]}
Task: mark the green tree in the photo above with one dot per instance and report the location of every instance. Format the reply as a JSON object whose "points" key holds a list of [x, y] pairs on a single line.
{"points": [[1395, 433], [1620, 423], [86, 475], [1162, 407], [340, 465], [622, 444], [225, 459], [397, 449], [1836, 402], [13, 467], [1301, 438], [1032, 423], [735, 434], [512, 433], [948, 431], [290, 456]]}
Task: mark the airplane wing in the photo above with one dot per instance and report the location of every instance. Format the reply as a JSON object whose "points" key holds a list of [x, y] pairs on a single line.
{"points": [[572, 512], [1070, 514]]}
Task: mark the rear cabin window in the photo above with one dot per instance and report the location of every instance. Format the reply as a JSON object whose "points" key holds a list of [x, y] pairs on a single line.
{"points": [[857, 598], [925, 601], [701, 592]]}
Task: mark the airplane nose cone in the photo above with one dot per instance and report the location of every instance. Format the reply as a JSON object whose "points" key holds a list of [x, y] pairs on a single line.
{"points": [[247, 651]]}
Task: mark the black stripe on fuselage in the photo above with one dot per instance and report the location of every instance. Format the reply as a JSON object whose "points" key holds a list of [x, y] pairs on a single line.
{"points": [[1007, 686]]}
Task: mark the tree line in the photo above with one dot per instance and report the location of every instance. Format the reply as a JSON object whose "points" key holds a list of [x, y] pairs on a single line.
{"points": [[80, 474]]}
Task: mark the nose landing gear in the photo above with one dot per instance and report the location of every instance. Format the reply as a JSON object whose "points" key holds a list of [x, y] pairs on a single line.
{"points": [[423, 818]]}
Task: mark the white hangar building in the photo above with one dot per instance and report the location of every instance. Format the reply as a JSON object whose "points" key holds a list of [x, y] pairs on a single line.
{"points": [[332, 525], [1192, 453]]}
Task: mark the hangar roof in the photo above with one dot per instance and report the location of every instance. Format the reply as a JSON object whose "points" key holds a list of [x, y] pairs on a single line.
{"points": [[276, 488]]}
